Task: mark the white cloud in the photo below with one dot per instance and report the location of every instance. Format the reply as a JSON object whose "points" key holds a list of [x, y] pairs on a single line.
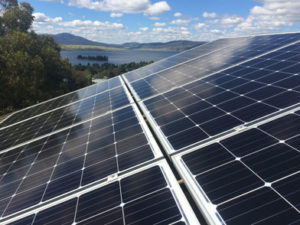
{"points": [[215, 31], [157, 24], [144, 28], [41, 18], [61, 1], [199, 26], [154, 18], [272, 15], [123, 6], [89, 24], [158, 8], [180, 22], [178, 14], [185, 32], [231, 20], [45, 24], [113, 15], [209, 15]]}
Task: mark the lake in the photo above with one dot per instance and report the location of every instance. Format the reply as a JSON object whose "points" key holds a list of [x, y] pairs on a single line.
{"points": [[116, 57]]}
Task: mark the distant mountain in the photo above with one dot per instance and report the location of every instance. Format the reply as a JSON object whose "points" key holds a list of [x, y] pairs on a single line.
{"points": [[72, 40]]}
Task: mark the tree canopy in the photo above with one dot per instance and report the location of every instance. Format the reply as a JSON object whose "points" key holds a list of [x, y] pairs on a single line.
{"points": [[31, 69], [15, 16]]}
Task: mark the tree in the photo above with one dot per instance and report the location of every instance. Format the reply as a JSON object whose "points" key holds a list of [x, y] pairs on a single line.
{"points": [[16, 17], [31, 69]]}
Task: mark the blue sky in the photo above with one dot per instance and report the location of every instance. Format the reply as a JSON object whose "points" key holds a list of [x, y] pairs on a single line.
{"points": [[119, 21]]}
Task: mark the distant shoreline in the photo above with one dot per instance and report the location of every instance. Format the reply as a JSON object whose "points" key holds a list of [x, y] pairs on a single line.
{"points": [[103, 48]]}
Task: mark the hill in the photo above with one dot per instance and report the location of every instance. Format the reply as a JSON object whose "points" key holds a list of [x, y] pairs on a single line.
{"points": [[70, 41]]}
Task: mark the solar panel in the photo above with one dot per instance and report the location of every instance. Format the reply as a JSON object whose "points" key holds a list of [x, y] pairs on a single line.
{"points": [[226, 100], [174, 60], [66, 116], [226, 113], [234, 51], [251, 177], [205, 50], [61, 101], [150, 195], [63, 162]]}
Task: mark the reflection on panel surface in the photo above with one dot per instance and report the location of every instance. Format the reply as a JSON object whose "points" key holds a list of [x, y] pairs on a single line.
{"points": [[150, 196], [63, 117], [233, 51], [220, 102], [61, 101], [251, 177]]}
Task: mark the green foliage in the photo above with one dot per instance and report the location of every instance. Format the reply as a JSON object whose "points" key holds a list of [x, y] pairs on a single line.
{"points": [[16, 17], [31, 69], [108, 70]]}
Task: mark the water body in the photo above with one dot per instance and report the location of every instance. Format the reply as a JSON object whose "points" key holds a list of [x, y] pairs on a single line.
{"points": [[116, 57]]}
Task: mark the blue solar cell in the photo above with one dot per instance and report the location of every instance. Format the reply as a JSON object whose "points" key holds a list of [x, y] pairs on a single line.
{"points": [[78, 156], [283, 128], [158, 211], [228, 181], [263, 206], [274, 162], [289, 189], [207, 158], [103, 199], [235, 174], [61, 214], [25, 221], [187, 137], [248, 142], [144, 197]]}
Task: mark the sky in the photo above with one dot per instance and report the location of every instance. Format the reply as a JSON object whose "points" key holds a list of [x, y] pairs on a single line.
{"points": [[120, 21]]}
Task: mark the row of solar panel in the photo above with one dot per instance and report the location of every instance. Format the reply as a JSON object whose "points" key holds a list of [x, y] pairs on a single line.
{"points": [[257, 45], [61, 101], [148, 196], [85, 150], [45, 169], [222, 101], [209, 49], [252, 177], [249, 178], [220, 53], [63, 117]]}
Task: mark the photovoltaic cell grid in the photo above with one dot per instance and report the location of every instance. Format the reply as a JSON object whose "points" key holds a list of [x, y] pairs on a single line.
{"points": [[61, 101], [236, 51], [68, 160], [63, 117], [146, 197], [252, 176], [249, 178], [225, 100]]}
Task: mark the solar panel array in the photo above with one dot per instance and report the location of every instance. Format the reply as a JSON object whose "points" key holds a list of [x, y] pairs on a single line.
{"points": [[69, 115], [226, 113], [227, 99], [144, 197], [252, 176]]}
